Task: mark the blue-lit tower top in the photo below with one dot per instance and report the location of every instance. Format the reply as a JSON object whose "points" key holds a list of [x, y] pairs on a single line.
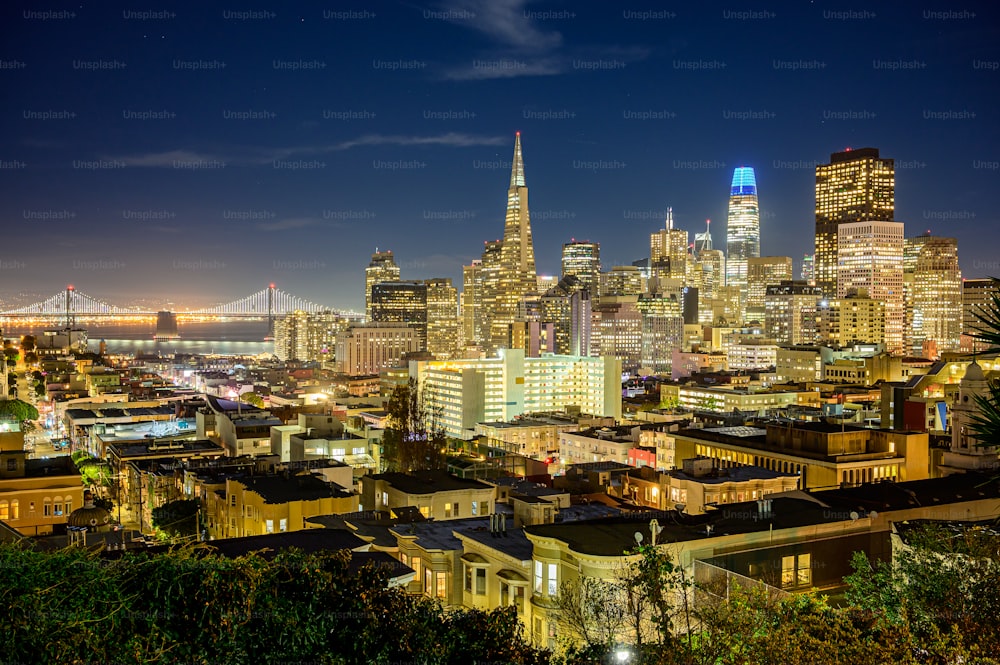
{"points": [[744, 181]]}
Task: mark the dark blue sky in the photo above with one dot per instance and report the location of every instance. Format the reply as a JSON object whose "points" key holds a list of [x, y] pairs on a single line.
{"points": [[131, 167]]}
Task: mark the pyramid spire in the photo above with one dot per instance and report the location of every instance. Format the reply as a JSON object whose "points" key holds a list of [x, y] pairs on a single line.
{"points": [[517, 166]]}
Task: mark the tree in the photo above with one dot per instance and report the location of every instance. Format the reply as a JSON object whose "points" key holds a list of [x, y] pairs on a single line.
{"points": [[986, 425], [178, 518], [28, 343], [15, 409], [191, 605], [253, 399], [413, 440], [939, 582], [40, 390]]}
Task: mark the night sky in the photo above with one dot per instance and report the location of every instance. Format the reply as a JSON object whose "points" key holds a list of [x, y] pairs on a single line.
{"points": [[193, 152]]}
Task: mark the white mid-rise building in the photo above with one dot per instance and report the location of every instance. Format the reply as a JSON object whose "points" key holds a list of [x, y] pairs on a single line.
{"points": [[460, 393]]}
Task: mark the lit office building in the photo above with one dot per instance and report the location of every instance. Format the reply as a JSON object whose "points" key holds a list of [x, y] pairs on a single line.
{"points": [[366, 350], [855, 318], [401, 302], [382, 268], [471, 305], [763, 271], [556, 307], [623, 281], [668, 252], [583, 260], [743, 228], [463, 393], [516, 275], [662, 331], [976, 294], [790, 316], [443, 324], [617, 330], [870, 259], [308, 336], [856, 186], [933, 295]]}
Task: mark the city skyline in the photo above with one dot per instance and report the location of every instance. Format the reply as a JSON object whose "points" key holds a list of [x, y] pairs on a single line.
{"points": [[352, 133]]}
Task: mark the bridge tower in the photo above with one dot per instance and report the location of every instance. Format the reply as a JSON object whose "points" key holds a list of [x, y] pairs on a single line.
{"points": [[69, 309], [270, 312]]}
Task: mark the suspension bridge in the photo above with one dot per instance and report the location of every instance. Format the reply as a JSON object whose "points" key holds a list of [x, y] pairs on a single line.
{"points": [[72, 306]]}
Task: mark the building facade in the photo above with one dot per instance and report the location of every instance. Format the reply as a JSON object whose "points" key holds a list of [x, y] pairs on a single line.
{"points": [[856, 186]]}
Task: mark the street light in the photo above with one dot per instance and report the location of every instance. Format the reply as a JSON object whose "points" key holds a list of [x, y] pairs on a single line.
{"points": [[622, 655]]}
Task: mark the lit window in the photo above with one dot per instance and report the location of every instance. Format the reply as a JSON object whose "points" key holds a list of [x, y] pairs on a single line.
{"points": [[283, 524], [269, 526]]}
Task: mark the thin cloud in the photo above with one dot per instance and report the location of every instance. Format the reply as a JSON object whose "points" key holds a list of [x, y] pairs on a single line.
{"points": [[452, 139], [504, 21], [166, 159], [505, 68]]}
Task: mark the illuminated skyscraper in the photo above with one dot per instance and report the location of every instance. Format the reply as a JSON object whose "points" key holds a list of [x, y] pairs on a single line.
{"points": [[401, 302], [471, 293], [583, 260], [933, 288], [443, 324], [489, 283], [623, 281], [743, 228], [516, 275], [382, 268], [790, 316], [870, 258], [763, 271], [856, 186], [668, 251]]}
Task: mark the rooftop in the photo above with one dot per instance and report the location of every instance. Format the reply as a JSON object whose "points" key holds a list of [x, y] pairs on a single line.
{"points": [[282, 489], [428, 482]]}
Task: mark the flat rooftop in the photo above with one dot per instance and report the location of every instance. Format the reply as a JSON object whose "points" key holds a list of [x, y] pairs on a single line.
{"points": [[429, 482], [279, 489]]}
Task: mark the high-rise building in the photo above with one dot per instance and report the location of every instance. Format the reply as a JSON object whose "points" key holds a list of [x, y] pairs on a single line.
{"points": [[583, 260], [401, 302], [472, 277], [763, 271], [855, 318], [489, 284], [743, 227], [308, 336], [808, 272], [366, 350], [976, 294], [617, 330], [668, 251], [382, 268], [933, 289], [790, 312], [856, 186], [516, 275], [709, 277], [662, 331], [443, 324], [623, 281], [555, 307], [870, 259]]}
